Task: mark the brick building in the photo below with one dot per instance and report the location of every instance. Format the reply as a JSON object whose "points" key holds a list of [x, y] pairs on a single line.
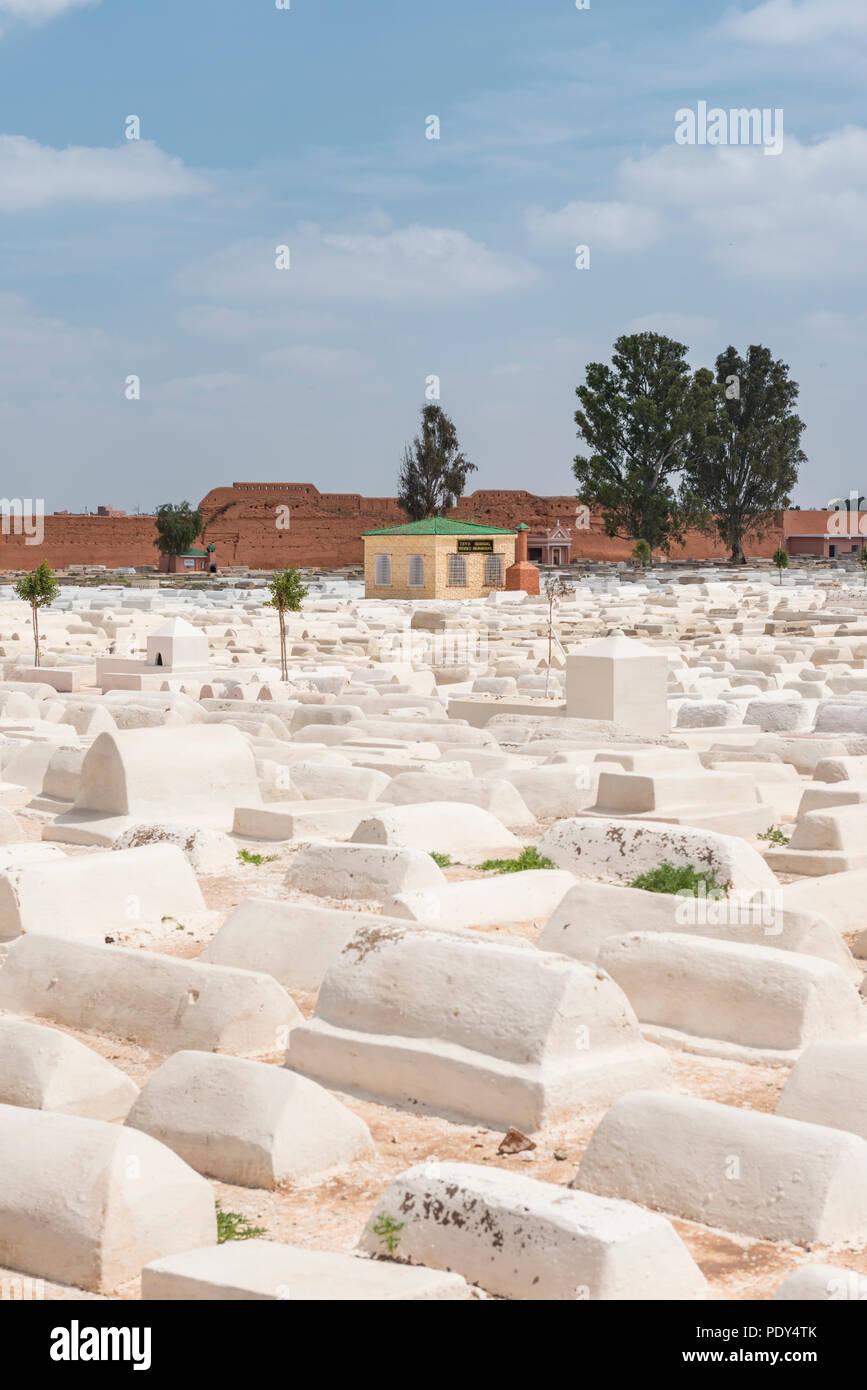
{"points": [[828, 534], [436, 558]]}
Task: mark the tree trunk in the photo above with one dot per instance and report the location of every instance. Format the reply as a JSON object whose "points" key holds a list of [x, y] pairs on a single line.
{"points": [[35, 635], [737, 556], [284, 673]]}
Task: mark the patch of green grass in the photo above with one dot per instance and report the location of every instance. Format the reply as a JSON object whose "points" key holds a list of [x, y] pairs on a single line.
{"points": [[529, 858], [682, 878], [444, 860], [247, 858], [232, 1225], [386, 1229], [773, 836]]}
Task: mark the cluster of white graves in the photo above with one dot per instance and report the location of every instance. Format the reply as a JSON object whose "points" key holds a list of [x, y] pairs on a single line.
{"points": [[458, 868]]}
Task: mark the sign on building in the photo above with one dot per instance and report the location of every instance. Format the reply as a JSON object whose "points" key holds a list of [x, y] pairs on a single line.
{"points": [[475, 545]]}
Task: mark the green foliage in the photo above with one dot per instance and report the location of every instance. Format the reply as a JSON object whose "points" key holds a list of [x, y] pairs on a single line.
{"points": [[642, 554], [773, 836], [643, 419], [780, 558], [386, 1229], [862, 561], [751, 447], [529, 858], [287, 593], [232, 1225], [177, 527], [434, 472], [246, 857], [286, 590], [683, 878], [39, 588], [442, 859]]}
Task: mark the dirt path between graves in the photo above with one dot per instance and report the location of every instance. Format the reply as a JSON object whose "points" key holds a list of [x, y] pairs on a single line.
{"points": [[330, 1214]]}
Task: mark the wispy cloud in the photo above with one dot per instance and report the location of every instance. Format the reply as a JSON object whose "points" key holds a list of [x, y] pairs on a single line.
{"points": [[401, 266], [315, 361], [618, 226], [37, 11], [797, 21], [801, 216], [688, 328], [37, 176]]}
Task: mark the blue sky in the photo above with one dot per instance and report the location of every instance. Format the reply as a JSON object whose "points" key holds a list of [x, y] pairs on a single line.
{"points": [[409, 257]]}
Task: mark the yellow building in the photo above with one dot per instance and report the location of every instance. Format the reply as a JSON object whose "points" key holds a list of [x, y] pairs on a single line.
{"points": [[437, 558]]}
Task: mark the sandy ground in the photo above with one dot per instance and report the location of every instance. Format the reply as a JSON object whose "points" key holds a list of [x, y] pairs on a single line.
{"points": [[330, 1213]]}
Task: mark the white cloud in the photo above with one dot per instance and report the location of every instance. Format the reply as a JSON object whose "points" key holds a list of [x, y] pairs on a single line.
{"points": [[205, 384], [410, 265], [803, 214], [47, 354], [219, 321], [316, 361], [38, 11], [37, 176], [800, 216], [844, 330], [613, 226], [687, 328], [797, 21]]}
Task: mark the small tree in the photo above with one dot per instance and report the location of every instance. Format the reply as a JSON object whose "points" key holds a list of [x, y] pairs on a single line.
{"points": [[286, 592], [781, 560], [642, 555], [862, 561], [39, 588], [177, 527]]}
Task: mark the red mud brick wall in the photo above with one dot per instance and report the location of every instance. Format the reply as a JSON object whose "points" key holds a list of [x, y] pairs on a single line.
{"points": [[325, 529]]}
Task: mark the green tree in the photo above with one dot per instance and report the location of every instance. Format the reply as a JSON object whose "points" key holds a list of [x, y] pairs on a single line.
{"points": [[745, 472], [641, 418], [862, 561], [39, 588], [780, 558], [286, 592], [642, 555], [434, 472], [177, 527]]}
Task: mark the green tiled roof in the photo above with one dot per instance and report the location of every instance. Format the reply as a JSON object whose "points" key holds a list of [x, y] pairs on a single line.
{"points": [[193, 551], [441, 526]]}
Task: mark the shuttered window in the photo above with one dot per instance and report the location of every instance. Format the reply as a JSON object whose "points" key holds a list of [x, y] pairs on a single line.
{"points": [[493, 569], [383, 571], [457, 571], [415, 573]]}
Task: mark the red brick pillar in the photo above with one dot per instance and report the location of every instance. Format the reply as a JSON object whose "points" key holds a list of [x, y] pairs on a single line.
{"points": [[522, 575]]}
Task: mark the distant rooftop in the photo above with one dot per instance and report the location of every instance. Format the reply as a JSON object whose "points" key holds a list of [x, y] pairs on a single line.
{"points": [[441, 526]]}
